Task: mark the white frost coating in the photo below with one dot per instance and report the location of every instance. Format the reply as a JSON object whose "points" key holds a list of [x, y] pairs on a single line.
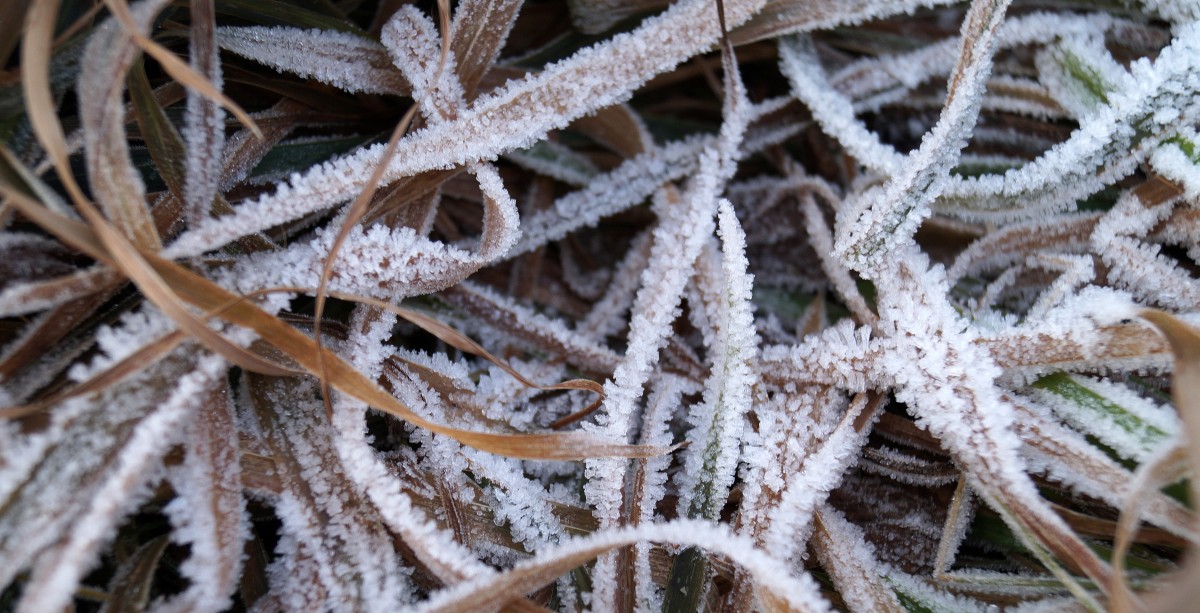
{"points": [[1108, 145], [661, 406], [382, 262], [412, 42], [948, 385], [799, 593], [1068, 458], [436, 548], [348, 62], [1138, 266], [789, 524], [333, 551], [844, 551], [607, 314], [873, 224], [837, 356], [1141, 429], [835, 112], [1170, 161], [709, 468], [204, 122], [511, 118], [520, 323], [683, 229], [209, 513], [931, 598], [1075, 68], [625, 186], [59, 569]]}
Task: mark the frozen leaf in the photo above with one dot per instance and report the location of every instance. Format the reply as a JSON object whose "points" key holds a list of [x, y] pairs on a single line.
{"points": [[1115, 415], [872, 225], [59, 537], [209, 513], [842, 550], [347, 61]]}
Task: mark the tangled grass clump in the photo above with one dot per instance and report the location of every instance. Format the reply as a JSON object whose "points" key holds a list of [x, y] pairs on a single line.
{"points": [[883, 305]]}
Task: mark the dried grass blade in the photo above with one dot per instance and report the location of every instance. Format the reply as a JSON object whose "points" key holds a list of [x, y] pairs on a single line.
{"points": [[1069, 458], [872, 225], [105, 244], [1185, 389], [347, 61], [130, 430], [508, 118], [532, 327], [146, 277], [353, 215], [136, 362], [343, 377], [619, 128], [116, 184], [780, 17], [462, 342], [327, 558], [1162, 469], [1028, 354], [208, 511], [39, 101]]}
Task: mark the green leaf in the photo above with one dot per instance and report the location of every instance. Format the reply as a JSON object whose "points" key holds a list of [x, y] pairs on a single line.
{"points": [[1117, 424]]}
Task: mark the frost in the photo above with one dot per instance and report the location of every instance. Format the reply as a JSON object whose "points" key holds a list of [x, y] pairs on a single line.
{"points": [[346, 61], [914, 260]]}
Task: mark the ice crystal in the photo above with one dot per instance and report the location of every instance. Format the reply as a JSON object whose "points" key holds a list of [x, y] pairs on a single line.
{"points": [[862, 305]]}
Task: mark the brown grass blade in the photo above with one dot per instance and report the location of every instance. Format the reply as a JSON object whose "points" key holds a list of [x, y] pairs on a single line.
{"points": [[116, 185], [1162, 469], [114, 250], [479, 31], [534, 328], [619, 128], [126, 432], [335, 559], [39, 101], [1185, 389], [461, 342], [204, 120], [353, 215], [1028, 354], [101, 241], [208, 513], [781, 17]]}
